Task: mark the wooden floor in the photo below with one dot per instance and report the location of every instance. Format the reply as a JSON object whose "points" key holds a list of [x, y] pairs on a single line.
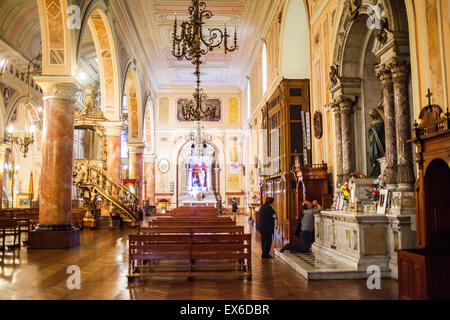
{"points": [[103, 257]]}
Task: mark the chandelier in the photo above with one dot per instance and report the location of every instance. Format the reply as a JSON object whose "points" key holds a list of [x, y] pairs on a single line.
{"points": [[192, 45], [199, 139]]}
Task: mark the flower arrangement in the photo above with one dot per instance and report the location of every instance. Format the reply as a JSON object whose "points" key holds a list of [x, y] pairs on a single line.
{"points": [[374, 192], [345, 188], [164, 203]]}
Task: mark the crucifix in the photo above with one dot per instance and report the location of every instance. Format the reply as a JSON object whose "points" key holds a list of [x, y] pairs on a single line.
{"points": [[429, 95]]}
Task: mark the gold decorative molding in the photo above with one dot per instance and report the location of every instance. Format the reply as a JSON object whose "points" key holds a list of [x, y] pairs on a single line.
{"points": [[58, 88]]}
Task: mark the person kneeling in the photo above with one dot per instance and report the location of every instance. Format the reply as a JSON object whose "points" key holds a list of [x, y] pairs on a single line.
{"points": [[306, 233]]}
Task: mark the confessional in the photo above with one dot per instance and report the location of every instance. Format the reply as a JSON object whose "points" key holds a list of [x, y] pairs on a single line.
{"points": [[311, 184], [424, 273]]}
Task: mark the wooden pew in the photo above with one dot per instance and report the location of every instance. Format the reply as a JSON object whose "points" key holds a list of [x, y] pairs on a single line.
{"points": [[77, 217], [9, 227], [193, 219], [185, 223], [222, 255], [192, 230]]}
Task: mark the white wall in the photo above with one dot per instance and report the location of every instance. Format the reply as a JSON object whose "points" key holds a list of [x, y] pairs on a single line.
{"points": [[295, 61]]}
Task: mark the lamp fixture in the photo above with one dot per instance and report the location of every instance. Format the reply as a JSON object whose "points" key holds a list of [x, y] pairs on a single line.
{"points": [[22, 142], [191, 45], [199, 140]]}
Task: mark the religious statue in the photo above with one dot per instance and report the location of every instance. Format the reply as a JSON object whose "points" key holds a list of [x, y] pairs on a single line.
{"points": [[202, 177], [377, 145], [196, 182]]}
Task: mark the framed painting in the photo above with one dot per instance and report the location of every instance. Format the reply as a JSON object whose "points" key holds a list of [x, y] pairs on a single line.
{"points": [[23, 200], [382, 205], [211, 102]]}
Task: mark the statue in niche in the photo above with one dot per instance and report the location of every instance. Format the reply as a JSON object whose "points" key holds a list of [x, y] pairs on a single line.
{"points": [[377, 141], [202, 177]]}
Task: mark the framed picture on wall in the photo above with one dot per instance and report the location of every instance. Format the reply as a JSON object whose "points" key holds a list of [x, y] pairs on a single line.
{"points": [[23, 200], [164, 166], [382, 205]]}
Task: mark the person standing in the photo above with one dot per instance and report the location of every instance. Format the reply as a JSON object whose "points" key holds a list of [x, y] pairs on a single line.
{"points": [[266, 226], [234, 208]]}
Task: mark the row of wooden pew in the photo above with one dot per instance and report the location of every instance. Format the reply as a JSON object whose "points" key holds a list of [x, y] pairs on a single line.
{"points": [[192, 242], [14, 222]]}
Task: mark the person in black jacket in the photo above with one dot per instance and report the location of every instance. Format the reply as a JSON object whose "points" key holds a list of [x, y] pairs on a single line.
{"points": [[266, 225]]}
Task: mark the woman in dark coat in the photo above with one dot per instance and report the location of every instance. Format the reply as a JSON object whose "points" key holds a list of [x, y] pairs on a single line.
{"points": [[266, 226]]}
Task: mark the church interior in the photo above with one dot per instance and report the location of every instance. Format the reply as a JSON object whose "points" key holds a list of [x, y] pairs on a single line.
{"points": [[141, 142]]}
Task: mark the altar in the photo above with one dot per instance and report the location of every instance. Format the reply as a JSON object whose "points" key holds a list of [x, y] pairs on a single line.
{"points": [[358, 240], [198, 178]]}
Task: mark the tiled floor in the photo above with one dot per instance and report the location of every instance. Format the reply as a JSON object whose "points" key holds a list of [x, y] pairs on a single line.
{"points": [[103, 257]]}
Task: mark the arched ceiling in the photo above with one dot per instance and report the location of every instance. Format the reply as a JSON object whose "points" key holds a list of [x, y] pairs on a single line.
{"points": [[154, 20], [88, 72], [20, 29]]}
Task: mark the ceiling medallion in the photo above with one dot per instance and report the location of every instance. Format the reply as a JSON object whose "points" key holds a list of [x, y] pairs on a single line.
{"points": [[192, 45]]}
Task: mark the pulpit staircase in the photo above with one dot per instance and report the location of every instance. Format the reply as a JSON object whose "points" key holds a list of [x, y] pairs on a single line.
{"points": [[93, 181]]}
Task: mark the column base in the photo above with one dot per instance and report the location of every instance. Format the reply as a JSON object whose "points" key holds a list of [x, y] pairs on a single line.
{"points": [[54, 239]]}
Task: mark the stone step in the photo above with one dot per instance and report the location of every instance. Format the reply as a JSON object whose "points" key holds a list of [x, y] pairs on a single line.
{"points": [[321, 267]]}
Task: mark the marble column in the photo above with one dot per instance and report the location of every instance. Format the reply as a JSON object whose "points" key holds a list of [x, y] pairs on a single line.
{"points": [[400, 76], [150, 176], [136, 152], [338, 141], [385, 76], [55, 229], [113, 133], [3, 151], [37, 165], [346, 107]]}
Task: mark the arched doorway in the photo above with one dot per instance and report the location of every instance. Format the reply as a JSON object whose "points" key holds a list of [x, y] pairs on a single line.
{"points": [[198, 175], [437, 207]]}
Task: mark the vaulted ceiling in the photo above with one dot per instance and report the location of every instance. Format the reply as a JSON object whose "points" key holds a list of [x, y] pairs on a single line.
{"points": [[154, 19]]}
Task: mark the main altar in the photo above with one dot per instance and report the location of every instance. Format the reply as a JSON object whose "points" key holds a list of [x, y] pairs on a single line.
{"points": [[198, 171]]}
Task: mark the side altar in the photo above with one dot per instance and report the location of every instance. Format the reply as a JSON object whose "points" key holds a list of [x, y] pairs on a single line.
{"points": [[358, 240]]}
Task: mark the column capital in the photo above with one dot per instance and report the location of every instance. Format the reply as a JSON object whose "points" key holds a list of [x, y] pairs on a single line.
{"points": [[136, 147], [58, 87], [149, 158], [346, 104], [113, 129], [383, 72], [399, 67]]}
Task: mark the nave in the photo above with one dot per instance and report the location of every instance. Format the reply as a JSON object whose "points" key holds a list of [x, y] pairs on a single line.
{"points": [[103, 258]]}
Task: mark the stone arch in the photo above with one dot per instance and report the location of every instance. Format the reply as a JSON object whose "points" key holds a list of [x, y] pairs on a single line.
{"points": [[132, 91], [220, 150], [367, 52], [294, 59], [98, 22], [58, 41]]}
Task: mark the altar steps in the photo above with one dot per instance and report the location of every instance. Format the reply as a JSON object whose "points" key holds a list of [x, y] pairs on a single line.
{"points": [[314, 266]]}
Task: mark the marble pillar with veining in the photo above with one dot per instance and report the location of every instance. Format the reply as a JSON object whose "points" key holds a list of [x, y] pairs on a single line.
{"points": [[385, 76], [150, 176], [55, 204], [338, 139], [400, 73], [136, 164], [346, 108], [113, 132], [3, 151]]}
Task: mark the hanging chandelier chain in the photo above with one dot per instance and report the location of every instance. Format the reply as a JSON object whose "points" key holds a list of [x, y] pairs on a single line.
{"points": [[192, 45]]}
